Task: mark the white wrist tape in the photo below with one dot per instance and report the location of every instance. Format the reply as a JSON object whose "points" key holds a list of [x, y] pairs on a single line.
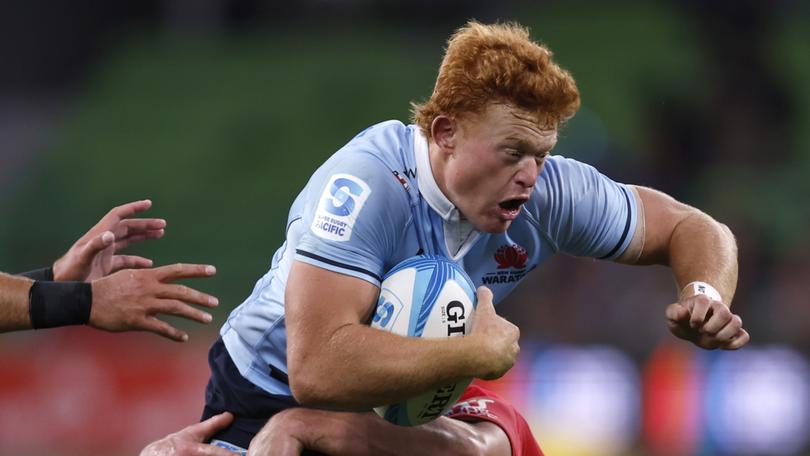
{"points": [[696, 288]]}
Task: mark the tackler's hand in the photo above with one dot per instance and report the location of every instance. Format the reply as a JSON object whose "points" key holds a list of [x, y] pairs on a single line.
{"points": [[188, 441], [131, 300], [94, 255]]}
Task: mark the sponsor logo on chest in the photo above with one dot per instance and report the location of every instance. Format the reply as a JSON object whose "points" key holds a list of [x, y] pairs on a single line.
{"points": [[511, 265]]}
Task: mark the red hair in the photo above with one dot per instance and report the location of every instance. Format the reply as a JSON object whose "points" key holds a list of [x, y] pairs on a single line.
{"points": [[498, 63]]}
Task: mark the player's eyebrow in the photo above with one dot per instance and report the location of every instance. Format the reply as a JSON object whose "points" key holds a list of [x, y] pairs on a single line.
{"points": [[526, 145], [518, 141]]}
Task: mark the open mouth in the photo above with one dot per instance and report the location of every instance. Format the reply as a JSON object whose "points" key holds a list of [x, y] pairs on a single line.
{"points": [[512, 205]]}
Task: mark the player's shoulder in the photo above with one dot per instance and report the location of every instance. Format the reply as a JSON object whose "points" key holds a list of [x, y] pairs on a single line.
{"points": [[387, 128], [562, 181], [564, 178], [390, 134], [361, 203], [380, 146], [559, 168], [365, 169]]}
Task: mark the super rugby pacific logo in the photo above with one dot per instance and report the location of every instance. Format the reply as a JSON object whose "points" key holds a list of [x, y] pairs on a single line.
{"points": [[511, 263], [388, 309], [342, 194], [341, 202]]}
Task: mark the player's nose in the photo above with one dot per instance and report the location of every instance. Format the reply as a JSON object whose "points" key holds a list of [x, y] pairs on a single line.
{"points": [[528, 171]]}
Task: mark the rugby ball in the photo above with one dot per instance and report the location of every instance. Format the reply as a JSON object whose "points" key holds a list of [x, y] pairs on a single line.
{"points": [[425, 296]]}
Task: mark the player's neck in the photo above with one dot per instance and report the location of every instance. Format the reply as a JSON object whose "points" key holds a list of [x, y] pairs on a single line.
{"points": [[437, 167]]}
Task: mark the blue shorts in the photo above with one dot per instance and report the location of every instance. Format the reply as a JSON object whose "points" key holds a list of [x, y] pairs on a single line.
{"points": [[228, 391]]}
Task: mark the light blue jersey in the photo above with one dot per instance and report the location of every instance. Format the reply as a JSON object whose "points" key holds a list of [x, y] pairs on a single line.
{"points": [[375, 203]]}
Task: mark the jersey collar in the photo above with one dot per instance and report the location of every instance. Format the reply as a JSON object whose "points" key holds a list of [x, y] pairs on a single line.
{"points": [[427, 182], [459, 234]]}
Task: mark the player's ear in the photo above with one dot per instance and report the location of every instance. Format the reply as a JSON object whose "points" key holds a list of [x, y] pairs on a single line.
{"points": [[443, 129]]}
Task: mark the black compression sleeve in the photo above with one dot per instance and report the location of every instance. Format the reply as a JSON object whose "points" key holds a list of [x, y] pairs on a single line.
{"points": [[53, 304], [39, 274]]}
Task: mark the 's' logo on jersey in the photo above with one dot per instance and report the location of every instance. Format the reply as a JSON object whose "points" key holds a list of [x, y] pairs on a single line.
{"points": [[511, 256], [388, 309], [341, 202], [343, 190]]}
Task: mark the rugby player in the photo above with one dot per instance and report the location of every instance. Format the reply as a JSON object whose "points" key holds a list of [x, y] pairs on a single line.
{"points": [[472, 179]]}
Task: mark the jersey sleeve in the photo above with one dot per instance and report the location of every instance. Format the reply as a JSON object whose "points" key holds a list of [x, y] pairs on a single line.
{"points": [[583, 212], [480, 404], [353, 216]]}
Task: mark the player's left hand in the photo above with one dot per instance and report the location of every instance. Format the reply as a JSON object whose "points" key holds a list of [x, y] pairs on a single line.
{"points": [[94, 255], [706, 323], [188, 441]]}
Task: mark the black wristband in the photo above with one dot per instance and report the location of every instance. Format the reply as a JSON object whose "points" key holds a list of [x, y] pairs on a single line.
{"points": [[52, 304], [39, 274]]}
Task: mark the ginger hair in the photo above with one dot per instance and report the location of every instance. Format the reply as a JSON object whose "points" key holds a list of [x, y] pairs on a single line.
{"points": [[486, 64]]}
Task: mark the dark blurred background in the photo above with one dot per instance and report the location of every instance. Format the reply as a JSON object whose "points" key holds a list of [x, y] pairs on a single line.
{"points": [[219, 110]]}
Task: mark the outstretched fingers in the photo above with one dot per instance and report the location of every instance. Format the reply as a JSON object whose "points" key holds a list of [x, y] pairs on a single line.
{"points": [[176, 271], [161, 328], [187, 294], [130, 227], [96, 245], [122, 243], [120, 262], [132, 231], [181, 309], [127, 210], [177, 300]]}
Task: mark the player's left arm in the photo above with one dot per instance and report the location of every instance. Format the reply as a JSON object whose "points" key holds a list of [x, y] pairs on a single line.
{"points": [[700, 251], [359, 434]]}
